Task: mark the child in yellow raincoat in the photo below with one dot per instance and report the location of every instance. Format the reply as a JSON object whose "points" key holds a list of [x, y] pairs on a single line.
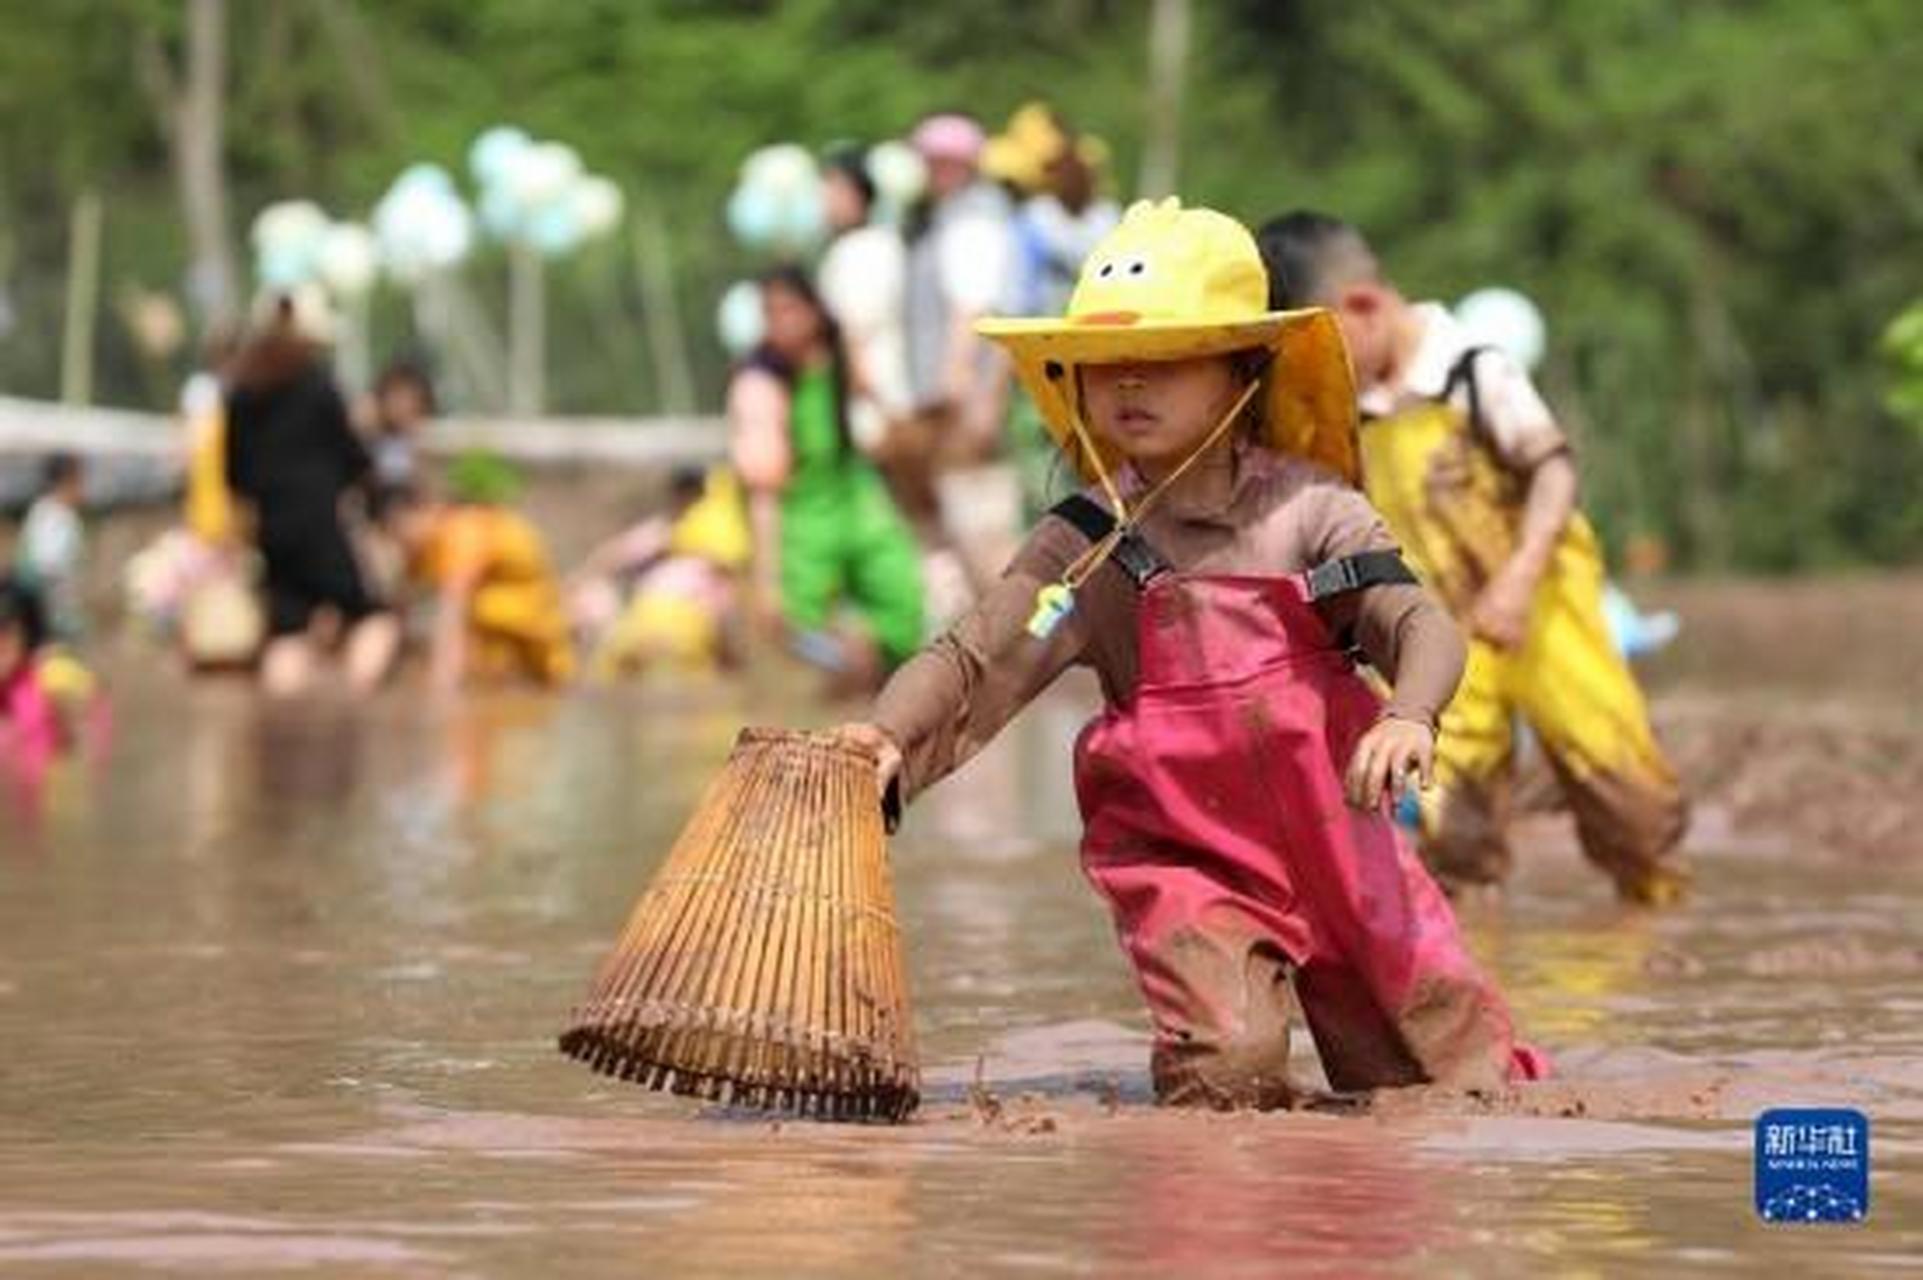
{"points": [[498, 607], [664, 592], [1476, 480]]}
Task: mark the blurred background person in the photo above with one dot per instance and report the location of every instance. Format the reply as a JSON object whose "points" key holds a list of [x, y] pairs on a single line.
{"points": [[292, 455], [399, 409], [27, 717], [208, 509], [47, 697], [665, 590], [1058, 224], [403, 404], [193, 585], [836, 568], [960, 267], [1056, 174], [598, 588], [219, 617], [496, 605], [862, 279], [50, 556]]}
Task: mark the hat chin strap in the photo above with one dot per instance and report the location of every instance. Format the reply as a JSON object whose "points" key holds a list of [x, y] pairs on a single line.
{"points": [[1125, 518], [1088, 444]]}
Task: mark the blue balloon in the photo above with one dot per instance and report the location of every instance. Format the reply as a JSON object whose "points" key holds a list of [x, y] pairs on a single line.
{"points": [[803, 221], [285, 267], [754, 217], [501, 214], [426, 177], [739, 318], [555, 230], [491, 154]]}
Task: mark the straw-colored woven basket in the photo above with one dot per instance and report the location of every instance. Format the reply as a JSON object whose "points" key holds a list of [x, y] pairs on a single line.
{"points": [[763, 965]]}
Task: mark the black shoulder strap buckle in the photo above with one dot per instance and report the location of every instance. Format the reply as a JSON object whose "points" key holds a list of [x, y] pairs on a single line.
{"points": [[1357, 572], [1133, 554]]}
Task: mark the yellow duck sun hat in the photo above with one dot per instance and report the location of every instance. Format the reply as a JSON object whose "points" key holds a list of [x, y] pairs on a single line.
{"points": [[1172, 284]]}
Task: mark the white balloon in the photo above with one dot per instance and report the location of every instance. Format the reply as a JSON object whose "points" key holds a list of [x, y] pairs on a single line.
{"points": [[501, 214], [898, 173], [278, 268], [804, 220], [597, 206], [494, 151], [287, 239], [739, 319], [349, 259], [1507, 320], [449, 234], [542, 174], [426, 177], [753, 216], [422, 225], [555, 230], [785, 169], [289, 225], [778, 202]]}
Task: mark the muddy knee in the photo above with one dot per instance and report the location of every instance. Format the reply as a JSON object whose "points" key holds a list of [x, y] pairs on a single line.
{"points": [[1222, 1002], [1240, 1072]]}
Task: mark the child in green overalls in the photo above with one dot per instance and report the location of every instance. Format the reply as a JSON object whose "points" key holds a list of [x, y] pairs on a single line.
{"points": [[836, 567]]}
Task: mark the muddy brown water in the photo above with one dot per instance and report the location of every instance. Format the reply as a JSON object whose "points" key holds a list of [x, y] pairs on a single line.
{"points": [[278, 988]]}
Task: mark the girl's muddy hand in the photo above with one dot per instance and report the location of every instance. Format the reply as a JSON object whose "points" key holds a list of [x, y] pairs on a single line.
{"points": [[1389, 752]]}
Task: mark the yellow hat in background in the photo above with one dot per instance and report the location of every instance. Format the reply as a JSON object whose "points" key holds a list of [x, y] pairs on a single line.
{"points": [[715, 528], [1021, 153], [1171, 283], [1093, 151]]}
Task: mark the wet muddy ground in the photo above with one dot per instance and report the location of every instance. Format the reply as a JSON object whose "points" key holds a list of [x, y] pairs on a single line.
{"points": [[278, 988]]}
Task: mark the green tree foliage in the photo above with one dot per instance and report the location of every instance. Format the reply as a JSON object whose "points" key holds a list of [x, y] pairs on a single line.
{"points": [[1903, 347], [1716, 203]]}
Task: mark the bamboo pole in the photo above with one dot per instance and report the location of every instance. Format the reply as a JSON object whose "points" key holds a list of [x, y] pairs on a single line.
{"points": [[1168, 55], [527, 329], [661, 309], [83, 300]]}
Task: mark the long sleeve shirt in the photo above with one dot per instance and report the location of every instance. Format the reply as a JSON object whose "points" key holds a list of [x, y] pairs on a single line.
{"points": [[1282, 516]]}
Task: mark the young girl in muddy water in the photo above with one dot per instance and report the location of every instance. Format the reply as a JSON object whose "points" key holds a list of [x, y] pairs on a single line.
{"points": [[47, 698], [1214, 576]]}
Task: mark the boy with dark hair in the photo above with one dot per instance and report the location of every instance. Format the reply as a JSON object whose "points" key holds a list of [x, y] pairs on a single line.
{"points": [[1476, 479], [404, 401], [51, 554]]}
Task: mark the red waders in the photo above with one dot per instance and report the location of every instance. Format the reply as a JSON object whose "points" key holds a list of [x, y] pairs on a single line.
{"points": [[1217, 829]]}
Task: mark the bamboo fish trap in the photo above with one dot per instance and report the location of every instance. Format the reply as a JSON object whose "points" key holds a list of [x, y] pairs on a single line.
{"points": [[763, 965]]}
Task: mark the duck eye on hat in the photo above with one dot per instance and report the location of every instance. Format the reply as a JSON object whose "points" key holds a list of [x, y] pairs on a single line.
{"points": [[1133, 268]]}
